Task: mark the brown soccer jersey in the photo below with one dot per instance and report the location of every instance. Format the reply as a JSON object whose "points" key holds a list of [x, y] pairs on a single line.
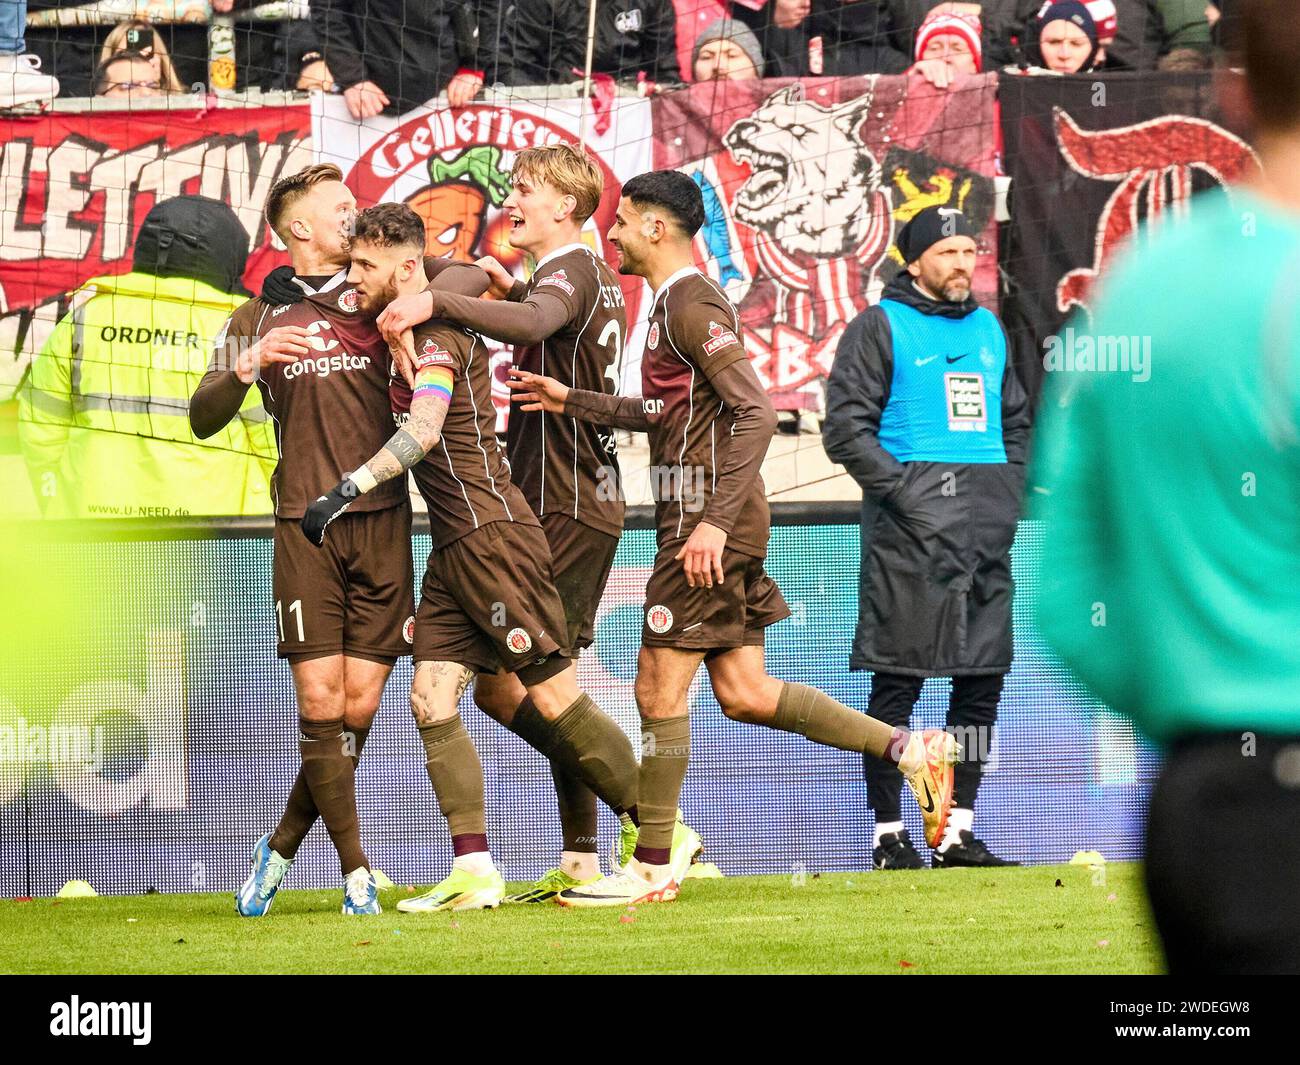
{"points": [[694, 335], [330, 407], [464, 480], [564, 465]]}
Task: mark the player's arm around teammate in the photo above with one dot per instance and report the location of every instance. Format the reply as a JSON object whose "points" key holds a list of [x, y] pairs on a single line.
{"points": [[534, 392], [709, 599], [489, 556]]}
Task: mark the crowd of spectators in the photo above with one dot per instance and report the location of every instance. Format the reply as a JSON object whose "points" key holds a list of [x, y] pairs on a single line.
{"points": [[386, 56]]}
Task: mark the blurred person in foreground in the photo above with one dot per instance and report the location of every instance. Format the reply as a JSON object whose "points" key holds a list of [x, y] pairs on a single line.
{"points": [[1170, 575], [104, 416]]}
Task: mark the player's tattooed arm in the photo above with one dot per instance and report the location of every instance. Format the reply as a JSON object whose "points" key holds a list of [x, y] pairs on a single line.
{"points": [[534, 392], [423, 429], [404, 449]]}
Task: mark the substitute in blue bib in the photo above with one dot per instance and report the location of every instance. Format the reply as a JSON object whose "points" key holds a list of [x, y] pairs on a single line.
{"points": [[924, 413]]}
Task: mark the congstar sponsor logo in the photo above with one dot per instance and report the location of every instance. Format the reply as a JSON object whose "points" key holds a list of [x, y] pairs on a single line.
{"points": [[326, 365]]}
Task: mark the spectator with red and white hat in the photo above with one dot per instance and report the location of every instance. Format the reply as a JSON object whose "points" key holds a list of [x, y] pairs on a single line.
{"points": [[947, 45], [1107, 19]]}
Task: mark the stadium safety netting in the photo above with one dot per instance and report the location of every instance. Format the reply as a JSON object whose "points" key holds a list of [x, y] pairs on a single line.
{"points": [[809, 162], [162, 734]]}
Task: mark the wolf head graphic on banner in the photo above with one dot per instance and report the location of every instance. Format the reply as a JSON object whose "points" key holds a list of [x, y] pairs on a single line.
{"points": [[821, 220], [814, 187], [804, 189]]}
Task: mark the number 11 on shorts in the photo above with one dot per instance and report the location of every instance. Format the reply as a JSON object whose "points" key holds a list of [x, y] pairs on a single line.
{"points": [[295, 608]]}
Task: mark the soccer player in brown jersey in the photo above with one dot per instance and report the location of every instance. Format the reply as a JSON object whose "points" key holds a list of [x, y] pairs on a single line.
{"points": [[488, 603], [709, 599], [344, 616], [567, 321]]}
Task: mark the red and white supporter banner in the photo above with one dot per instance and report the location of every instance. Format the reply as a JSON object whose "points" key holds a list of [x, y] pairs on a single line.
{"points": [[453, 167], [805, 187], [75, 188]]}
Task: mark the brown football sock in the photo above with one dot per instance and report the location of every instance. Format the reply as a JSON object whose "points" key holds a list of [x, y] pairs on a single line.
{"points": [[577, 802], [812, 713], [330, 771], [300, 811], [457, 777], [666, 751], [590, 745]]}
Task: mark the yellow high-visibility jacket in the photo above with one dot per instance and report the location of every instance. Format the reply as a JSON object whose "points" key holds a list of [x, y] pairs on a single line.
{"points": [[104, 416]]}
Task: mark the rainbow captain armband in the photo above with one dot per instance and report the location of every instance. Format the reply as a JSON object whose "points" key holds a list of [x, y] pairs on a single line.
{"points": [[433, 382]]}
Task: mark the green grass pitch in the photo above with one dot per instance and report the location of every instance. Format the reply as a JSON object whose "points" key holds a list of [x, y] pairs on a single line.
{"points": [[931, 921]]}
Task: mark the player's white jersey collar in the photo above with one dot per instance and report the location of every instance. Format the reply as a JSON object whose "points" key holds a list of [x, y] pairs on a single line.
{"points": [[672, 279], [577, 246], [329, 285]]}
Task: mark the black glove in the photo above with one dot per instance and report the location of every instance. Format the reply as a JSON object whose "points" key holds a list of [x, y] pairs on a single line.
{"points": [[279, 287], [328, 507]]}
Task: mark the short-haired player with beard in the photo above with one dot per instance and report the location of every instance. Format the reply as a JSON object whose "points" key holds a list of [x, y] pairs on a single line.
{"points": [[709, 598], [343, 616], [488, 604], [567, 321]]}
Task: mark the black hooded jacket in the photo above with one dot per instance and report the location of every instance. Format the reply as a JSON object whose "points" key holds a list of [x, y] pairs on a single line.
{"points": [[195, 237], [839, 37], [409, 48], [935, 588], [547, 41]]}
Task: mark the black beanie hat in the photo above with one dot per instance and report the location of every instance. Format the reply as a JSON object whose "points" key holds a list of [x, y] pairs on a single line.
{"points": [[1073, 12], [930, 226]]}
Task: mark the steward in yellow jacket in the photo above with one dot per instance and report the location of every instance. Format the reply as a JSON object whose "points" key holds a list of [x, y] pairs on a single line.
{"points": [[104, 416]]}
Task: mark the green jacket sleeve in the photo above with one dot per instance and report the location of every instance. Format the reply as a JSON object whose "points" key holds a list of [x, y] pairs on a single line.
{"points": [[1185, 24], [45, 412]]}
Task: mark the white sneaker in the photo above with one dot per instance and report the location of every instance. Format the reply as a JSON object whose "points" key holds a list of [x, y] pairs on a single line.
{"points": [[637, 883], [21, 81]]}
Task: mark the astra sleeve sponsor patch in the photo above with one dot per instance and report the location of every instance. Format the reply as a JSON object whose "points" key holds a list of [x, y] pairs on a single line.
{"points": [[559, 279], [433, 354], [719, 337]]}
